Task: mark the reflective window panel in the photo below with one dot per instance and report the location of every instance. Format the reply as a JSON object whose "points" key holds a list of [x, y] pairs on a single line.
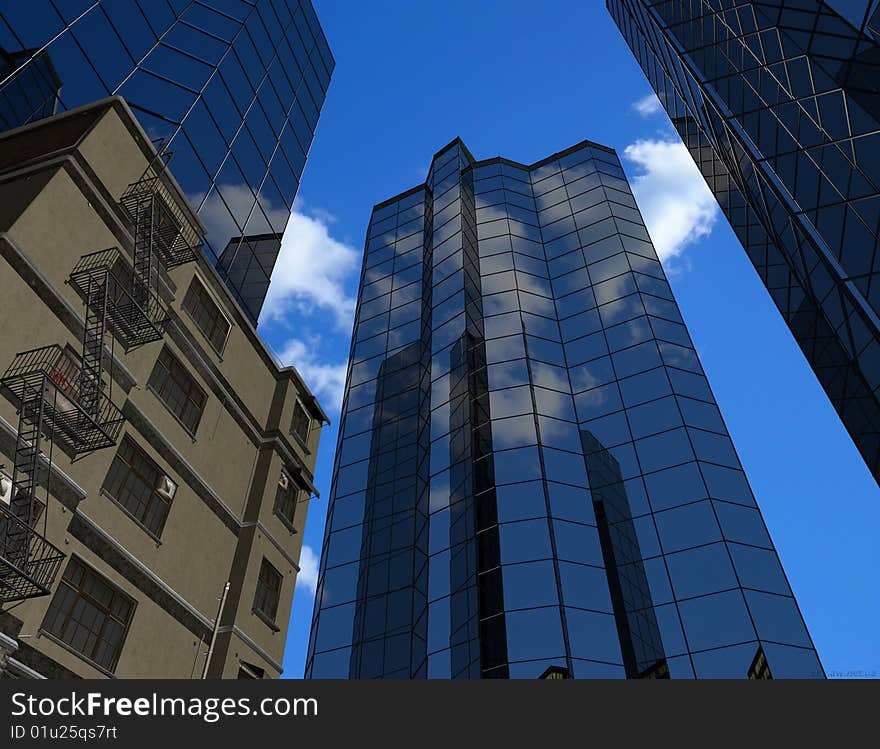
{"points": [[532, 476], [778, 104], [229, 90]]}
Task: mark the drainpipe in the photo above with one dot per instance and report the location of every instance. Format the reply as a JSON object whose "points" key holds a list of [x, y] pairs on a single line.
{"points": [[214, 632]]}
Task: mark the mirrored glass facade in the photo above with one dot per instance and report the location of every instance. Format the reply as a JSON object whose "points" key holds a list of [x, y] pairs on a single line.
{"points": [[246, 263], [778, 102], [532, 476], [230, 90], [29, 92]]}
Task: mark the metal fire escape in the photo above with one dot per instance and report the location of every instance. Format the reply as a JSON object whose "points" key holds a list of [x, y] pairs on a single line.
{"points": [[68, 402]]}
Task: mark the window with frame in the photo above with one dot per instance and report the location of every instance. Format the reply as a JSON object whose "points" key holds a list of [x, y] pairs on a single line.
{"points": [[178, 390], [206, 314], [301, 423], [287, 496], [90, 615], [140, 487], [268, 591]]}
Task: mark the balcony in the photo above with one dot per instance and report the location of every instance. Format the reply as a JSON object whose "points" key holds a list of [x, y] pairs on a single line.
{"points": [[150, 205], [51, 373], [135, 314], [28, 562]]}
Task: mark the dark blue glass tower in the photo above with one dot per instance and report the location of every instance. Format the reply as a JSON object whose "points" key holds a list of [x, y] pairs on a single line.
{"points": [[230, 89], [533, 477], [778, 102]]}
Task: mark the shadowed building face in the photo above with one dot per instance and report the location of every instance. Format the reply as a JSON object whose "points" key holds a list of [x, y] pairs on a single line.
{"points": [[779, 105], [533, 478]]}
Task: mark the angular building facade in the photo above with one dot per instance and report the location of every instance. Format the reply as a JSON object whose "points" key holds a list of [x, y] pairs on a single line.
{"points": [[779, 105], [231, 89], [156, 463], [533, 479]]}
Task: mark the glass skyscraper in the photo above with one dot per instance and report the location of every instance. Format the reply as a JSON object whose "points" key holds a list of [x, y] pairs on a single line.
{"points": [[231, 90], [778, 102], [533, 479]]}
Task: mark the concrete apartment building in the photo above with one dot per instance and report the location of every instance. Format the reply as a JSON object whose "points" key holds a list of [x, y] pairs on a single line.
{"points": [[152, 449]]}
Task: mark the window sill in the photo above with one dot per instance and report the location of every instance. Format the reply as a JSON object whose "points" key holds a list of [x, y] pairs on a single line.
{"points": [[286, 523], [301, 442], [205, 338], [85, 659], [104, 493], [266, 620], [190, 434]]}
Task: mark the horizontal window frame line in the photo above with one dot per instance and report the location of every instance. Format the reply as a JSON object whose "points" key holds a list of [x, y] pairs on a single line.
{"points": [[169, 361], [192, 478], [87, 531], [192, 435], [166, 449], [107, 495], [285, 522], [266, 619], [217, 384], [41, 632], [109, 210], [780, 192], [189, 313], [87, 569]]}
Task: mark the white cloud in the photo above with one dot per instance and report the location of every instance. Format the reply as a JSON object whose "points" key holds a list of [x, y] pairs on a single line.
{"points": [[327, 381], [312, 267], [308, 569], [677, 206], [438, 499], [647, 105], [311, 272]]}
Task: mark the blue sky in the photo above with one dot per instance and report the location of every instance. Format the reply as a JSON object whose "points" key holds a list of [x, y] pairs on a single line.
{"points": [[523, 80]]}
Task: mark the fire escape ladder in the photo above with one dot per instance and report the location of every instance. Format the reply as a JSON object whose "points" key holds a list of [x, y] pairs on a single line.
{"points": [[28, 562], [66, 402], [146, 271], [92, 363], [24, 472]]}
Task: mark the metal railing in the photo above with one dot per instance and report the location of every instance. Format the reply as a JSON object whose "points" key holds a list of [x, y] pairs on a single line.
{"points": [[135, 316], [28, 562], [50, 373], [154, 211]]}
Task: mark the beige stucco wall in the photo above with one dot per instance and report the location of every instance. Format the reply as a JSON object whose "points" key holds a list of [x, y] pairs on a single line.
{"points": [[53, 221]]}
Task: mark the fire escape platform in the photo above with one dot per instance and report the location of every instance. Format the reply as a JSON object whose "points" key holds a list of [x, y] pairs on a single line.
{"points": [[136, 314], [29, 563], [174, 239], [47, 373]]}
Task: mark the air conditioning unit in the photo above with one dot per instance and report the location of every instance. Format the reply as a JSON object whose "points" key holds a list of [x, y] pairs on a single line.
{"points": [[5, 489], [166, 488], [284, 481]]}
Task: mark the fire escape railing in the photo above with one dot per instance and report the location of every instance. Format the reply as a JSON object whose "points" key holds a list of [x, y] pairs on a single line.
{"points": [[68, 402], [161, 231], [29, 562], [73, 406], [133, 313]]}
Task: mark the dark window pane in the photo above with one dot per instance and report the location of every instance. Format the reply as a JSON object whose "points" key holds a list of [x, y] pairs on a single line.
{"points": [[89, 614], [178, 390]]}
